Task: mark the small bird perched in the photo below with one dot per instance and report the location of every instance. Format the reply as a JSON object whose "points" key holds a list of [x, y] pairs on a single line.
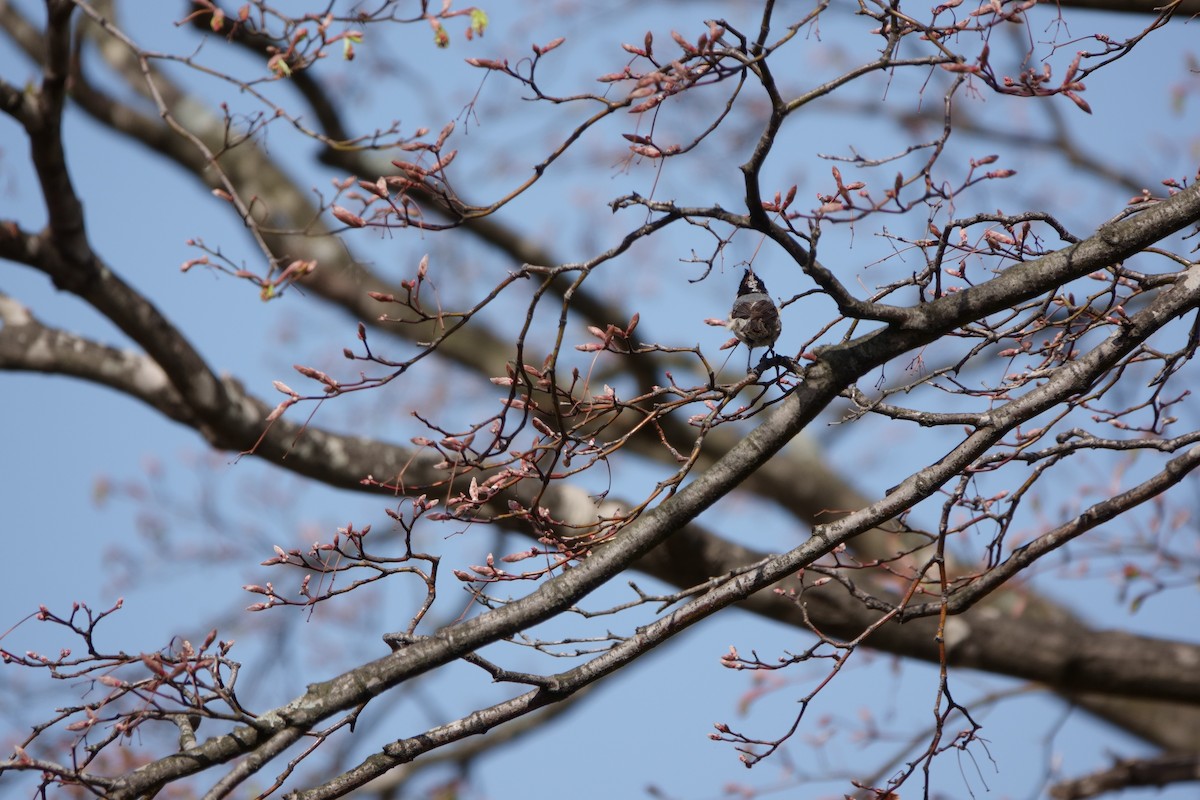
{"points": [[754, 318]]}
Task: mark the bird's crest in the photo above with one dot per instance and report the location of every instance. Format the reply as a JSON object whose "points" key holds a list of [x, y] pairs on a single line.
{"points": [[751, 284]]}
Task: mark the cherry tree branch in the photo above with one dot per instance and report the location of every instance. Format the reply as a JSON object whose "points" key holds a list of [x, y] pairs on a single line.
{"points": [[839, 365], [1159, 772]]}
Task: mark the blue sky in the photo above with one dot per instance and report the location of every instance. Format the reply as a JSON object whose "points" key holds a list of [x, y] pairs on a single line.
{"points": [[103, 499]]}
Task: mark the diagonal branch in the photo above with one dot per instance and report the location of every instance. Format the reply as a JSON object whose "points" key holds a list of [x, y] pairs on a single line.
{"points": [[839, 366]]}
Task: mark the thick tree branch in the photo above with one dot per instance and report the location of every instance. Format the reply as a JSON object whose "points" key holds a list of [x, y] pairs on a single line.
{"points": [[1131, 773]]}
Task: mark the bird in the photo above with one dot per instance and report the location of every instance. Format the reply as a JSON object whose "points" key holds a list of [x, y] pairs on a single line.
{"points": [[754, 318]]}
